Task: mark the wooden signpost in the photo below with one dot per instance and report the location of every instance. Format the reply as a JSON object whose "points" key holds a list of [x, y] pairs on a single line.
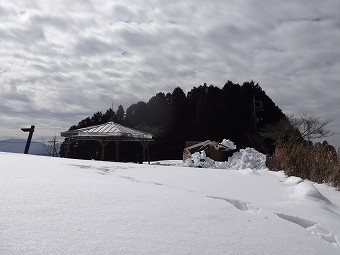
{"points": [[29, 139]]}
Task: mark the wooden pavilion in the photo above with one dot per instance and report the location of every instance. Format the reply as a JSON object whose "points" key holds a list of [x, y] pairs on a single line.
{"points": [[106, 133]]}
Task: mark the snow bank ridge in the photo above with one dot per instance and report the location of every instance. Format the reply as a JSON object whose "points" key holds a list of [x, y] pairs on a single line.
{"points": [[304, 189]]}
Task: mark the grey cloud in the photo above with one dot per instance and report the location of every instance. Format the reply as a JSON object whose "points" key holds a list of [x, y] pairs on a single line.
{"points": [[3, 11], [128, 14], [59, 22], [137, 38], [6, 10], [14, 95], [24, 35], [92, 46]]}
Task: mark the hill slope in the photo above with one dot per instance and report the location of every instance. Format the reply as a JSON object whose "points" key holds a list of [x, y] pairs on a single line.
{"points": [[67, 206]]}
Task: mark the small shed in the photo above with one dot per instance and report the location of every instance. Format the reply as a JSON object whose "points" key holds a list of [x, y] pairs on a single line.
{"points": [[211, 151], [106, 133]]}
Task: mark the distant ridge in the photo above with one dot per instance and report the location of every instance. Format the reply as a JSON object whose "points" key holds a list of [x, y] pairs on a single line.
{"points": [[18, 146]]}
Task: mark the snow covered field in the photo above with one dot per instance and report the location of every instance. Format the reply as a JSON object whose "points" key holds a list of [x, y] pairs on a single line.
{"points": [[67, 206]]}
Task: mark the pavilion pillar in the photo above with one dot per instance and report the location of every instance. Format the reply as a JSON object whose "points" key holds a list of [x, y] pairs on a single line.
{"points": [[117, 150], [103, 143], [69, 142], [145, 146], [148, 151]]}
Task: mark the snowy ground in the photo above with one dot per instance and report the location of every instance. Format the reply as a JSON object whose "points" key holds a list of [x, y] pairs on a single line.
{"points": [[66, 206]]}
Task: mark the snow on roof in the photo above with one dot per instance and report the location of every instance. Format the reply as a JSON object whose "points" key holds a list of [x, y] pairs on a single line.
{"points": [[109, 129]]}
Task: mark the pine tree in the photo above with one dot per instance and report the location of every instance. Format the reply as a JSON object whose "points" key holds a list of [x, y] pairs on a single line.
{"points": [[120, 115]]}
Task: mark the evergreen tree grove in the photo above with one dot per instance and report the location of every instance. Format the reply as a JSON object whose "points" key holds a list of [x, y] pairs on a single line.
{"points": [[205, 112]]}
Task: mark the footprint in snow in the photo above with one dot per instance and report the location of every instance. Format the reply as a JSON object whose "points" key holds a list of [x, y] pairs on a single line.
{"points": [[313, 228], [238, 204], [104, 171], [100, 170], [128, 178], [135, 180]]}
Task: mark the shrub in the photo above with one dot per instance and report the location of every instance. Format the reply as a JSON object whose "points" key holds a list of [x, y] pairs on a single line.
{"points": [[317, 162], [296, 155]]}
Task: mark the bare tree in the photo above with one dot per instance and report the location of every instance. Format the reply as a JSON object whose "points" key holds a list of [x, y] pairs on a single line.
{"points": [[282, 132], [51, 146], [297, 129], [311, 127]]}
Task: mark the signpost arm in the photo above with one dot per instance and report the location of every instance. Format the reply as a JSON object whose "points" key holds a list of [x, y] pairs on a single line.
{"points": [[29, 139]]}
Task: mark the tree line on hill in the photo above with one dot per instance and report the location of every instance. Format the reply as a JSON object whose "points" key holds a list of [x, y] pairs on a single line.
{"points": [[236, 112], [241, 113]]}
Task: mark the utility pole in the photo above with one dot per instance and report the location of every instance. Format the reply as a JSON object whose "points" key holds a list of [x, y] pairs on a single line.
{"points": [[52, 146], [257, 107], [54, 153], [29, 139]]}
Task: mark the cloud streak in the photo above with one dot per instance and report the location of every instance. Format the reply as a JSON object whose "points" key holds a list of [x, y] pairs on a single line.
{"points": [[63, 59]]}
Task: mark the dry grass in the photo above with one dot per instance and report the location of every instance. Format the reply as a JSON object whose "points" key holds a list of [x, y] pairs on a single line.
{"points": [[317, 162]]}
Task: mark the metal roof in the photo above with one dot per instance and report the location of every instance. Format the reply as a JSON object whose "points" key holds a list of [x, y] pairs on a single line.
{"points": [[107, 130]]}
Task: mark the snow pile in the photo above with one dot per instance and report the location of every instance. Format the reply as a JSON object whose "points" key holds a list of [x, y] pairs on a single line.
{"points": [[200, 159], [293, 180], [229, 144], [248, 158]]}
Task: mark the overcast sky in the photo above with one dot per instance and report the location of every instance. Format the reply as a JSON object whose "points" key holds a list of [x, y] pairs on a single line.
{"points": [[61, 61]]}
